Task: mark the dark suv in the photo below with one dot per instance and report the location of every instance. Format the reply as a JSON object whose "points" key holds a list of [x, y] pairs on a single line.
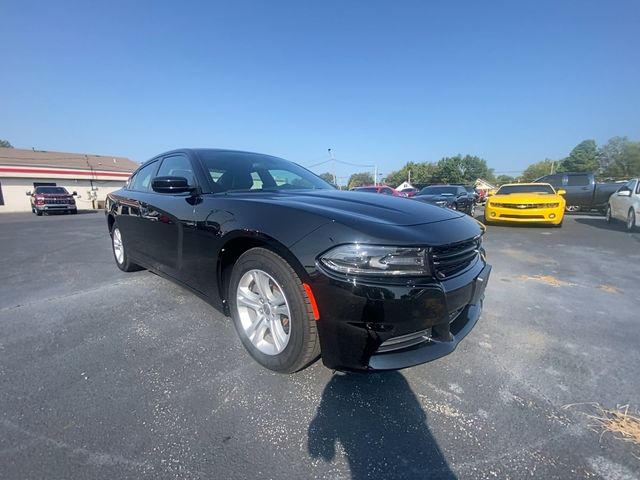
{"points": [[52, 199]]}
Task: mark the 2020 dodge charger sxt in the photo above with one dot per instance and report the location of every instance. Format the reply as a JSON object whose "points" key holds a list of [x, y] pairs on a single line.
{"points": [[369, 282]]}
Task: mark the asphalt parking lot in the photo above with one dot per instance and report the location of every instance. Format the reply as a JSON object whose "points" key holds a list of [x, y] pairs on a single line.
{"points": [[111, 375]]}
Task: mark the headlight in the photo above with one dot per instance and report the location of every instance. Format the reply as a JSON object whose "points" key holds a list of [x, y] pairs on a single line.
{"points": [[375, 260], [490, 204], [551, 205], [442, 203]]}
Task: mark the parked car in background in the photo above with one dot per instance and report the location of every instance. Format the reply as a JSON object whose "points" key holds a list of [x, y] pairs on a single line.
{"points": [[383, 189], [368, 282], [454, 197], [583, 192], [625, 204], [526, 203], [52, 199], [410, 191]]}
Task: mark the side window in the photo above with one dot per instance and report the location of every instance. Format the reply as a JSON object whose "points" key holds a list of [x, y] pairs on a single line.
{"points": [[577, 180], [387, 191], [177, 166], [638, 188], [142, 179]]}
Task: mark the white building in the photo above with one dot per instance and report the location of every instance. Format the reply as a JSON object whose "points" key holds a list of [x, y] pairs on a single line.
{"points": [[91, 176]]}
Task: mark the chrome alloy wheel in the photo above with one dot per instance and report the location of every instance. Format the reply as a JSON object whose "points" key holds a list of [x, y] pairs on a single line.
{"points": [[118, 247], [631, 220], [264, 312]]}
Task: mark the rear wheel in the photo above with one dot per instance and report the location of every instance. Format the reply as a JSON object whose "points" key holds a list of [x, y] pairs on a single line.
{"points": [[120, 253], [472, 209], [572, 208], [271, 312], [631, 220], [607, 215]]}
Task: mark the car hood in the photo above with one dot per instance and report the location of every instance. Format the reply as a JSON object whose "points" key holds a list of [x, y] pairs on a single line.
{"points": [[525, 198], [350, 206]]}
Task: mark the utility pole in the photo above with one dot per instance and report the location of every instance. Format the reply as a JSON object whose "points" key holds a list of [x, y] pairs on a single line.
{"points": [[333, 167], [375, 176], [409, 177]]}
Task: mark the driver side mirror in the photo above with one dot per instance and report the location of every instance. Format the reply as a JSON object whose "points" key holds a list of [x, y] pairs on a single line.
{"points": [[75, 194], [562, 191], [28, 194], [172, 185], [624, 192]]}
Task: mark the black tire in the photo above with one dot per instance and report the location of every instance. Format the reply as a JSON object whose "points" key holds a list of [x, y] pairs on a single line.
{"points": [[303, 345], [607, 214], [631, 220], [74, 212], [454, 206], [472, 210], [126, 265], [38, 212]]}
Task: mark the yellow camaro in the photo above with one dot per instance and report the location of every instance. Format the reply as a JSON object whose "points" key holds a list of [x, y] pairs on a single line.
{"points": [[526, 202]]}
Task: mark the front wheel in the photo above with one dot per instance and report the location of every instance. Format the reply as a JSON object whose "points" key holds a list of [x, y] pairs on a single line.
{"points": [[572, 208], [607, 215], [271, 312], [631, 220]]}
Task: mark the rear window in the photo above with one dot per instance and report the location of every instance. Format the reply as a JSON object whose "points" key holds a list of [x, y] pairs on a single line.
{"points": [[52, 190], [577, 180], [439, 191]]}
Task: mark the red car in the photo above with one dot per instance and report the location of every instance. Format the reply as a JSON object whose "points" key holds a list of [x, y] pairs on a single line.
{"points": [[383, 189], [52, 199]]}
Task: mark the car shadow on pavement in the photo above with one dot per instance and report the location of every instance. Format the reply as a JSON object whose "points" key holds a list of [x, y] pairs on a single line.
{"points": [[380, 426], [600, 222]]}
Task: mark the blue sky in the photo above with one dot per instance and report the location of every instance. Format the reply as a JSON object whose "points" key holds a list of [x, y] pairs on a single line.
{"points": [[378, 82]]}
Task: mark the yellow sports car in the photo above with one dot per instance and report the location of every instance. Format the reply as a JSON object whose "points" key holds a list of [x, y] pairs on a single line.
{"points": [[526, 202]]}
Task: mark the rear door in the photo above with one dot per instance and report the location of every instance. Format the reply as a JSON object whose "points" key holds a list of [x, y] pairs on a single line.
{"points": [[129, 205], [580, 188]]}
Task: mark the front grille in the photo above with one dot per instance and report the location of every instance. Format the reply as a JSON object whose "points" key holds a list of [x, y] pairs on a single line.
{"points": [[524, 206], [55, 201], [449, 260], [504, 215]]}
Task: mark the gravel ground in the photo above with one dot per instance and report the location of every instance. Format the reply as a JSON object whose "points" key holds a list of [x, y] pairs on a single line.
{"points": [[111, 375]]}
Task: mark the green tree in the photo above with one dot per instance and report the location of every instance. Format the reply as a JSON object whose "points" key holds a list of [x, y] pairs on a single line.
{"points": [[360, 179], [5, 144], [583, 158], [327, 177], [502, 179], [610, 153], [627, 164], [538, 169], [461, 169], [420, 173]]}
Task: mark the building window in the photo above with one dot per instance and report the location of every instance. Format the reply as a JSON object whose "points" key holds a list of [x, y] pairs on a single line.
{"points": [[1, 197]]}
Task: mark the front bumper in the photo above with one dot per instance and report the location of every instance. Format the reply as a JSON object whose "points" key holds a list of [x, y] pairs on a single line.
{"points": [[358, 321], [530, 215], [56, 207]]}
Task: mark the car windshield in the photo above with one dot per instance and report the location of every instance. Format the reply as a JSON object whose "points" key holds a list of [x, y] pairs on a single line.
{"points": [[533, 188], [438, 191], [55, 190], [232, 171]]}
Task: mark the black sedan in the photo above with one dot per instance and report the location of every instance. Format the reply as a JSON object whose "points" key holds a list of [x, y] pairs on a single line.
{"points": [[454, 197], [367, 282]]}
